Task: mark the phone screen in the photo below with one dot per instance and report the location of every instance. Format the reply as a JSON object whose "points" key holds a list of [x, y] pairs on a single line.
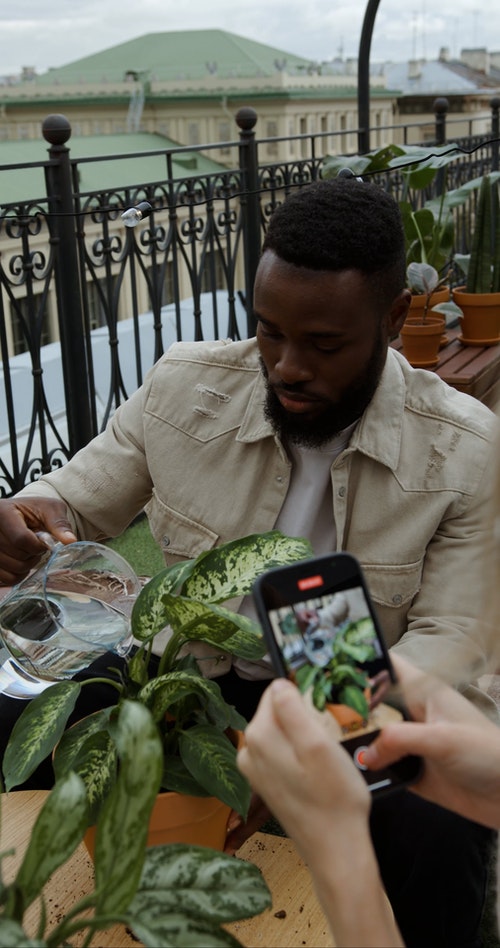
{"points": [[322, 633]]}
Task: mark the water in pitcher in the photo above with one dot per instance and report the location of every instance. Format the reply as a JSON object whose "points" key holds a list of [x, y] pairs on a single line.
{"points": [[36, 632]]}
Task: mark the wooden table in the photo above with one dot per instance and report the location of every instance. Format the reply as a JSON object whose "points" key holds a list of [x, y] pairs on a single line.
{"points": [[295, 919], [471, 369]]}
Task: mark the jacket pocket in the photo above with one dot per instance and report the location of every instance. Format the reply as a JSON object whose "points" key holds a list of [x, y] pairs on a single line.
{"points": [[393, 586], [176, 533]]}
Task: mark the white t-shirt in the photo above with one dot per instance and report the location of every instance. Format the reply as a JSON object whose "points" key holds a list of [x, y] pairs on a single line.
{"points": [[306, 512]]}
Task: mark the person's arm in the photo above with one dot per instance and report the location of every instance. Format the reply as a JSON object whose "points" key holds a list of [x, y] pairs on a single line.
{"points": [[460, 745], [92, 497], [312, 787], [449, 629]]}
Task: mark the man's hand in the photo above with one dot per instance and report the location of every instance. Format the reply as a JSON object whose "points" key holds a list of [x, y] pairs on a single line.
{"points": [[20, 520]]}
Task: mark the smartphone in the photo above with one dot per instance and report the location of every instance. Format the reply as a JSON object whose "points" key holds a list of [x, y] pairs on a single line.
{"points": [[322, 633]]}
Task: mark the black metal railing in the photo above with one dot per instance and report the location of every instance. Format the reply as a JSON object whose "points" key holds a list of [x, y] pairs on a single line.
{"points": [[109, 300]]}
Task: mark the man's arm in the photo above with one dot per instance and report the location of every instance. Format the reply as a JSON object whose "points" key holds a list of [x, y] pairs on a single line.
{"points": [[94, 496]]}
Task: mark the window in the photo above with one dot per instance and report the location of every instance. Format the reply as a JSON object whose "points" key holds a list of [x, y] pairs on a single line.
{"points": [[28, 309], [212, 275], [272, 132], [224, 135], [167, 293], [193, 133], [97, 302]]}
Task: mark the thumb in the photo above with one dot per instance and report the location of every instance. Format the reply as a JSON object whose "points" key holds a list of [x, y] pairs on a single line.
{"points": [[398, 740]]}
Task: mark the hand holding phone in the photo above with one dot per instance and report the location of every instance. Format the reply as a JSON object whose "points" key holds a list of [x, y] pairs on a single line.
{"points": [[322, 633]]}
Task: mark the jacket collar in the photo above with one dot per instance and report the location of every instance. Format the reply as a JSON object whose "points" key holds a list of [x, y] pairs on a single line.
{"points": [[378, 434]]}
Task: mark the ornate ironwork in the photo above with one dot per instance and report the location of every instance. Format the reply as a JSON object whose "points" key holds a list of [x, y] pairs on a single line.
{"points": [[201, 242]]}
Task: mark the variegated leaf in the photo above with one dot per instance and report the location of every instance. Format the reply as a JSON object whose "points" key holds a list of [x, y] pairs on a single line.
{"points": [[37, 731], [123, 825], [211, 758], [12, 934], [200, 883], [96, 763], [230, 569], [176, 777], [178, 931], [58, 830], [161, 693], [222, 628], [148, 617], [74, 738]]}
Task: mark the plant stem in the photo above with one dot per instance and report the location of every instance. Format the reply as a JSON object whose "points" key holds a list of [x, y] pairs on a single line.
{"points": [[104, 681]]}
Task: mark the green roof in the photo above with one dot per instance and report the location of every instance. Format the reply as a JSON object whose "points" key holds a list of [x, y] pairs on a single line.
{"points": [[183, 54], [28, 183]]}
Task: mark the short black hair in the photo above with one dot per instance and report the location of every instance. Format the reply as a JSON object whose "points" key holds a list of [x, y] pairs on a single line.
{"points": [[342, 224]]}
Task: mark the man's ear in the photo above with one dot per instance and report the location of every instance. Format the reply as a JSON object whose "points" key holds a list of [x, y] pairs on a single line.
{"points": [[398, 313]]}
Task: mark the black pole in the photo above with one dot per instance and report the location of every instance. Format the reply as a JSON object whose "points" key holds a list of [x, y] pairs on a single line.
{"points": [[246, 119], [364, 77], [495, 131], [441, 106], [57, 130]]}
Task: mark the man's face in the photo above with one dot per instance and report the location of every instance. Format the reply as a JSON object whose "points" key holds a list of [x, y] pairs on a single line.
{"points": [[323, 347]]}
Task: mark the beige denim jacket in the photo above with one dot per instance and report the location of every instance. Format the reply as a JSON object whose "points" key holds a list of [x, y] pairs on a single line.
{"points": [[410, 492]]}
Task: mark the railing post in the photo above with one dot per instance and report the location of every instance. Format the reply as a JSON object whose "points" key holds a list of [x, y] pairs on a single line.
{"points": [[246, 119], [495, 131], [57, 131], [441, 106]]}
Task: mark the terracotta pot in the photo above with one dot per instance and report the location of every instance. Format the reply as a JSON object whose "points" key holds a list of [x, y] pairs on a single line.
{"points": [[421, 341], [348, 719], [481, 317], [417, 307], [178, 818], [418, 301]]}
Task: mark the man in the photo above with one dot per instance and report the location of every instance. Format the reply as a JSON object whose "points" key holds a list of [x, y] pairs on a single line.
{"points": [[318, 429]]}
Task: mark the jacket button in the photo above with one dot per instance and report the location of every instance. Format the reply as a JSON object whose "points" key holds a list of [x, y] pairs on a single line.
{"points": [[279, 479], [165, 541], [397, 599], [341, 491]]}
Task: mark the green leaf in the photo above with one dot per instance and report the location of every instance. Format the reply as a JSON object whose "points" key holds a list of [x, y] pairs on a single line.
{"points": [[231, 569], [211, 758], [157, 930], [11, 934], [422, 278], [37, 731], [354, 698], [148, 617], [57, 832], [123, 825], [95, 762], [176, 777], [162, 693], [199, 883], [72, 741], [215, 625]]}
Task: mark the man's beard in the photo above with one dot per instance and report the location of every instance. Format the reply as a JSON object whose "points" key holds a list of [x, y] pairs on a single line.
{"points": [[317, 431]]}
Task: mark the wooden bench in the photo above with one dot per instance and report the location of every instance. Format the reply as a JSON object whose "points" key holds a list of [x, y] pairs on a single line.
{"points": [[471, 369]]}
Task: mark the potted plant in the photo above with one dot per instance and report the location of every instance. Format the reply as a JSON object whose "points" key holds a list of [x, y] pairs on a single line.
{"points": [[429, 228], [342, 684], [170, 894], [479, 299], [188, 710], [423, 331]]}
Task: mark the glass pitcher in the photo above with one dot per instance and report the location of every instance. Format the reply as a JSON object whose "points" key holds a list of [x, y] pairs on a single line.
{"points": [[72, 609]]}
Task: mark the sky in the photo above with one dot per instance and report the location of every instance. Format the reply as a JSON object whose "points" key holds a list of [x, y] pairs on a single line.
{"points": [[51, 33]]}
